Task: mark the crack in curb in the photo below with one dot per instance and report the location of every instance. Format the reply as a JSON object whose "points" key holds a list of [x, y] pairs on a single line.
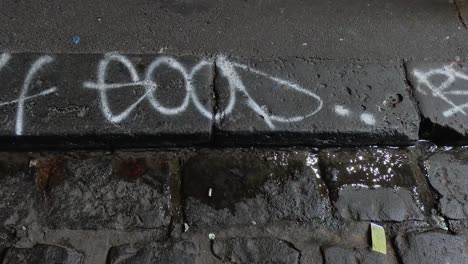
{"points": [[291, 245], [215, 97], [410, 90], [458, 4]]}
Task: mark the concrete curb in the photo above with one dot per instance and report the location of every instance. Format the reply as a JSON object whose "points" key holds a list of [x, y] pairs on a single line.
{"points": [[119, 101]]}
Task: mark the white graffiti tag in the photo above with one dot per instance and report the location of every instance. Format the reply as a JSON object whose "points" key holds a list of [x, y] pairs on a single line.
{"points": [[4, 59], [23, 97], [227, 68], [231, 71], [149, 85], [441, 90]]}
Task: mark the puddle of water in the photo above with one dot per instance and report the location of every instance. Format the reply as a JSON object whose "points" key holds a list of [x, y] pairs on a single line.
{"points": [[233, 176], [374, 168]]}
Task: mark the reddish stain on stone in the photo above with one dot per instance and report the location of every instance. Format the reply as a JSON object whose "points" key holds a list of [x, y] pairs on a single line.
{"points": [[45, 169], [133, 168]]}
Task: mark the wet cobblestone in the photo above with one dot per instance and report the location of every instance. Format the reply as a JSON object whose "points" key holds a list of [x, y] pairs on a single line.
{"points": [[232, 206]]}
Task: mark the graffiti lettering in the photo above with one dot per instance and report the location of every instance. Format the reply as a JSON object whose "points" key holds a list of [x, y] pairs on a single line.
{"points": [[228, 69], [232, 72], [441, 90]]}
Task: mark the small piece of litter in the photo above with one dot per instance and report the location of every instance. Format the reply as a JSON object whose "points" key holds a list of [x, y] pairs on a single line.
{"points": [[33, 163], [76, 39], [211, 236], [439, 220], [186, 227], [210, 192], [24, 228], [379, 243]]}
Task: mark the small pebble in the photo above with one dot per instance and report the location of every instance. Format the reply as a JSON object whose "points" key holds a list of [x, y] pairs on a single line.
{"points": [[76, 39]]}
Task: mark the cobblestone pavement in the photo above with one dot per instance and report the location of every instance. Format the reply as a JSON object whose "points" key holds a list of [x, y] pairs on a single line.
{"points": [[240, 205]]}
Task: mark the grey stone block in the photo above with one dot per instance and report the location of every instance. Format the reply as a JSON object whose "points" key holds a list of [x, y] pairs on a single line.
{"points": [[311, 254], [378, 184], [103, 191], [182, 252], [253, 187], [339, 255], [433, 247], [447, 174], [301, 101], [377, 205], [42, 254], [255, 250]]}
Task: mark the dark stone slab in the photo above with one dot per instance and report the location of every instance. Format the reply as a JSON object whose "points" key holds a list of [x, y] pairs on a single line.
{"points": [[42, 254], [77, 102], [378, 184], [433, 247], [252, 187], [339, 255], [182, 252], [102, 191], [255, 250], [447, 174], [299, 101], [440, 92]]}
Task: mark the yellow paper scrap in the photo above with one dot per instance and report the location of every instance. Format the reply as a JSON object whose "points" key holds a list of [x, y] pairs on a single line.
{"points": [[379, 242]]}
